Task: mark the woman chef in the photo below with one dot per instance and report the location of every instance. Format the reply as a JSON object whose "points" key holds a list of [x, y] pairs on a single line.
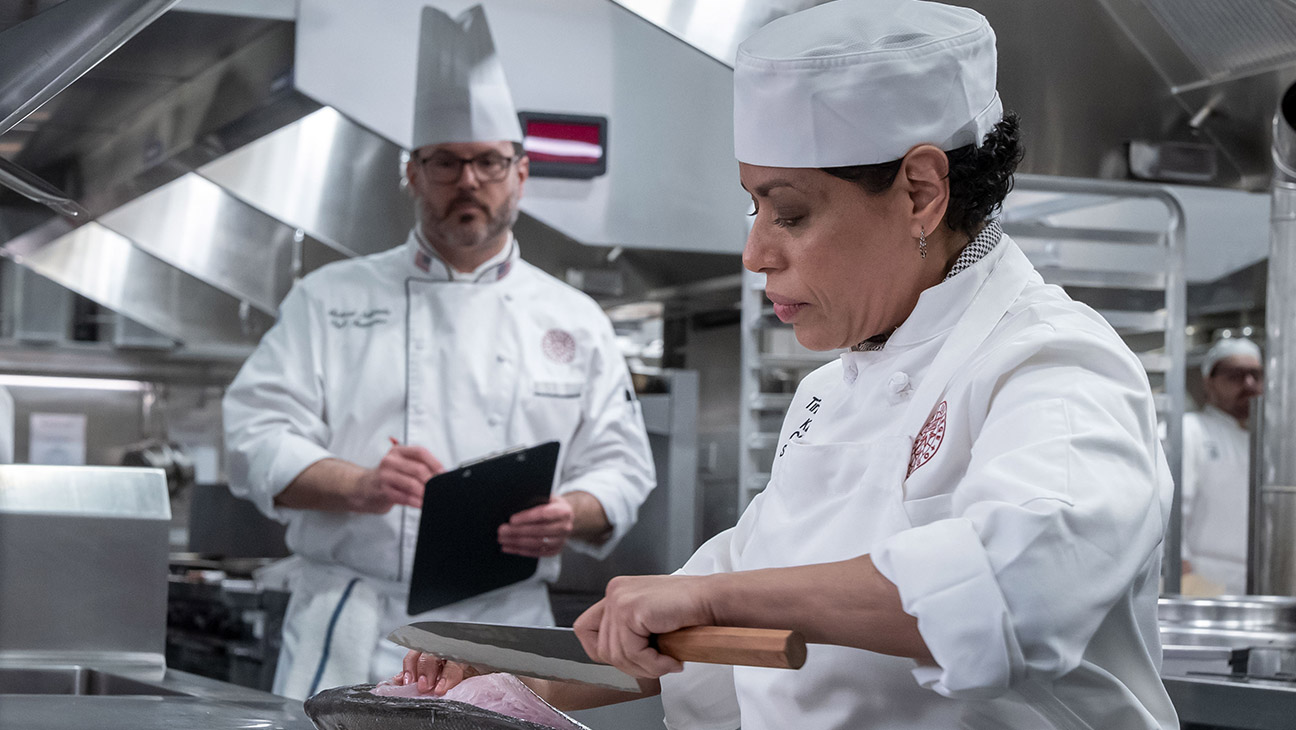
{"points": [[965, 511]]}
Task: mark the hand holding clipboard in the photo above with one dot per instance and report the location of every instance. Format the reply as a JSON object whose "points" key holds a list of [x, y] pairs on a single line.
{"points": [[538, 532]]}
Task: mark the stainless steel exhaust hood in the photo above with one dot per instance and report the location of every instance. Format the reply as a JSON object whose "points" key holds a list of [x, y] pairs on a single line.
{"points": [[1091, 77], [45, 54], [244, 183], [204, 147]]}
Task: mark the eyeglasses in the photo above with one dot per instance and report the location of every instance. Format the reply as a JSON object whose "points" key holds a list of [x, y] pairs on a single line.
{"points": [[1238, 375], [443, 167]]}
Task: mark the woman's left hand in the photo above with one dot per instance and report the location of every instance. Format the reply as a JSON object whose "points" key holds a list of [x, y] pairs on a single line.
{"points": [[617, 629], [434, 675]]}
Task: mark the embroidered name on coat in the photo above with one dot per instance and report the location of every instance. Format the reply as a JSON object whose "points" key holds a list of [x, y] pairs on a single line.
{"points": [[804, 428], [929, 439], [340, 318]]}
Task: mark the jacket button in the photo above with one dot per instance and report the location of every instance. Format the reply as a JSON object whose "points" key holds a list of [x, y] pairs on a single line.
{"points": [[898, 382]]}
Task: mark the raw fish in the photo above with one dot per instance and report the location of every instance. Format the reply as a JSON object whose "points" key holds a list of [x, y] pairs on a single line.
{"points": [[486, 702]]}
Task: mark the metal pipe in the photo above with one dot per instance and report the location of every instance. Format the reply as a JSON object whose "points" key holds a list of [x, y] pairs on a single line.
{"points": [[1276, 519], [1255, 429], [29, 185]]}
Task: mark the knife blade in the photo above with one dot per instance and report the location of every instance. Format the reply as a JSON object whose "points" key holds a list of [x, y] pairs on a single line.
{"points": [[556, 653]]}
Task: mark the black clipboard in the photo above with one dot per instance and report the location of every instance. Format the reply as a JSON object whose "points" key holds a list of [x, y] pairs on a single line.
{"points": [[458, 555]]}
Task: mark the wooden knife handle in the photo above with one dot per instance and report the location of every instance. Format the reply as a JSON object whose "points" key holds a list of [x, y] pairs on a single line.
{"points": [[733, 645]]}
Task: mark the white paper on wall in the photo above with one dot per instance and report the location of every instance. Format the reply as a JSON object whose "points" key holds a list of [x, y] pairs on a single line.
{"points": [[57, 438]]}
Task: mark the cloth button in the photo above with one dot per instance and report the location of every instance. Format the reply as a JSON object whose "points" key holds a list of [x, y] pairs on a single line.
{"points": [[898, 383], [493, 420], [898, 388]]}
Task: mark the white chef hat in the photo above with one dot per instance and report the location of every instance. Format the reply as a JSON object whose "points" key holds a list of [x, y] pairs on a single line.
{"points": [[1228, 347], [461, 94], [858, 82]]}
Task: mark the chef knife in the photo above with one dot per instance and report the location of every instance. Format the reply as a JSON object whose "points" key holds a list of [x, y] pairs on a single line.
{"points": [[556, 653]]}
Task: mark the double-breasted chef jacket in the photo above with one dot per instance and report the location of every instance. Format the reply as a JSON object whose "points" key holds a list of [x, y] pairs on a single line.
{"points": [[998, 458], [396, 345], [1216, 497]]}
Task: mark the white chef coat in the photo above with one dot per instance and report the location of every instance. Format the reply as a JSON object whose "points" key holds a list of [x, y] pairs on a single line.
{"points": [[397, 345], [1014, 490], [1216, 474]]}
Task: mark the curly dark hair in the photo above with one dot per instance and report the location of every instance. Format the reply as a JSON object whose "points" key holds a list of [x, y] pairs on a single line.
{"points": [[979, 177]]}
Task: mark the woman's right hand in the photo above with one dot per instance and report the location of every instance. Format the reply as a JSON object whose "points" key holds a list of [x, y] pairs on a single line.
{"points": [[433, 674]]}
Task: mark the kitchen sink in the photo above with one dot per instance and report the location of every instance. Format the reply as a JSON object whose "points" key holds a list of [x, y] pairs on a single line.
{"points": [[74, 680]]}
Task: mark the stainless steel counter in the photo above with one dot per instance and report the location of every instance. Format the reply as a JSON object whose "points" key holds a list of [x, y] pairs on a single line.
{"points": [[1209, 668], [73, 698], [1231, 703]]}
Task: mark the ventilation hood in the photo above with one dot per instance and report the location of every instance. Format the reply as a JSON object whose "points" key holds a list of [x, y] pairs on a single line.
{"points": [[216, 193], [1088, 77], [220, 156], [46, 54]]}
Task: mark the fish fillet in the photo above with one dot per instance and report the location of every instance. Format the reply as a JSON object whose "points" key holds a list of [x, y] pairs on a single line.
{"points": [[486, 702]]}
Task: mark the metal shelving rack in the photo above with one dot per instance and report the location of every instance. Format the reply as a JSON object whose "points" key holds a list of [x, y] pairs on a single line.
{"points": [[1132, 274]]}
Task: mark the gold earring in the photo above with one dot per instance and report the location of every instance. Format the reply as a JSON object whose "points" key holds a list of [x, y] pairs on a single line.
{"points": [[922, 242]]}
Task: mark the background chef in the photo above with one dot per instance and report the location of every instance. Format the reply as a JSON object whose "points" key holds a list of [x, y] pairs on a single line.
{"points": [[1216, 468], [966, 510], [453, 347]]}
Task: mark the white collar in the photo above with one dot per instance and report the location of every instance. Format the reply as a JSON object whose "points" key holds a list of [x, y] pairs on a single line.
{"points": [[430, 264], [1213, 411], [939, 307], [937, 312]]}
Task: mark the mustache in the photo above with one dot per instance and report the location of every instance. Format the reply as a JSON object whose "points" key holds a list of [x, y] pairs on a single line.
{"points": [[467, 200]]}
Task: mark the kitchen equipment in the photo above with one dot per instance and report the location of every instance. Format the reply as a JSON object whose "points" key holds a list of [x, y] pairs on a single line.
{"points": [[83, 566], [168, 456], [1241, 613], [1265, 662], [556, 653]]}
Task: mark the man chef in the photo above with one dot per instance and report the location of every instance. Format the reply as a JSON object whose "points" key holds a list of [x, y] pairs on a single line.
{"points": [[1216, 466], [385, 370]]}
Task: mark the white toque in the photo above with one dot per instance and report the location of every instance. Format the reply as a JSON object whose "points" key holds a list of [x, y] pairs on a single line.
{"points": [[858, 82], [461, 94]]}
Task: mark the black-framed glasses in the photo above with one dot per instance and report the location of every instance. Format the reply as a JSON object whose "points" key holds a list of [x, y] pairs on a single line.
{"points": [[444, 167], [1238, 375]]}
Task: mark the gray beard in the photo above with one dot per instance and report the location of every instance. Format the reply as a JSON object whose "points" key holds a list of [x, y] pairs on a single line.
{"points": [[460, 237]]}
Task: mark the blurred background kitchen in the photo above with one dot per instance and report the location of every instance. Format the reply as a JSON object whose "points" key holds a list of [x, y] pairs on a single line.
{"points": [[160, 199]]}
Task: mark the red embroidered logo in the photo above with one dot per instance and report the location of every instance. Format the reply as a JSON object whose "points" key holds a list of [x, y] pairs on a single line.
{"points": [[929, 439], [559, 346]]}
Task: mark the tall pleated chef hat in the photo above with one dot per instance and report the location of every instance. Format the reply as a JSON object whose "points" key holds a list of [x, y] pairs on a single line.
{"points": [[1228, 347], [858, 82], [461, 94]]}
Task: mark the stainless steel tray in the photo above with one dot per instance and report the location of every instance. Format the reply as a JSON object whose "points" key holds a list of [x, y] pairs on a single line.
{"points": [[1239, 613]]}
